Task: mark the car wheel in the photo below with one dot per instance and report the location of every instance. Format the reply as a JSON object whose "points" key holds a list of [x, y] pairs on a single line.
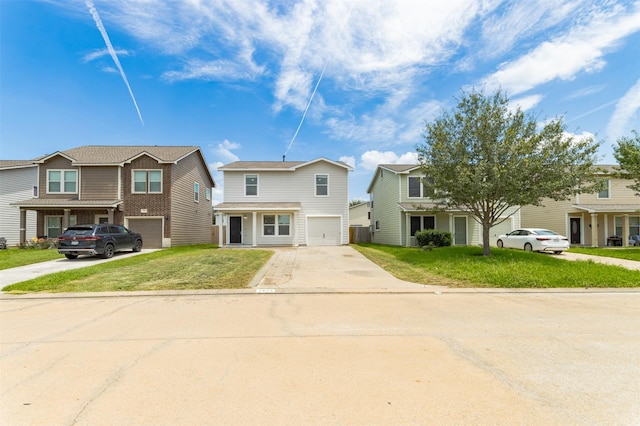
{"points": [[137, 246], [528, 247], [500, 243], [109, 250], [557, 252], [71, 256]]}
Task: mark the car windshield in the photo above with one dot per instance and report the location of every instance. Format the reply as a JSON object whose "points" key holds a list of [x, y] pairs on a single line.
{"points": [[544, 232], [78, 231]]}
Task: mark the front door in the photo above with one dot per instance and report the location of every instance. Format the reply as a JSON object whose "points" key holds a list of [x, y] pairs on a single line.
{"points": [[574, 224], [235, 229], [460, 230]]}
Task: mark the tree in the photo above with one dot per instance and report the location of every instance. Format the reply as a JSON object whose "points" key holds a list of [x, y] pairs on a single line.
{"points": [[484, 157], [627, 153]]}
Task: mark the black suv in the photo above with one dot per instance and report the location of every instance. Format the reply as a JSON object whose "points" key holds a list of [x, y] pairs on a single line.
{"points": [[101, 239]]}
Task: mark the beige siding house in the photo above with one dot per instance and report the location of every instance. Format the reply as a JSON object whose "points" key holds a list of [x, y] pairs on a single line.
{"points": [[359, 214], [163, 192], [399, 209], [285, 203], [609, 217], [18, 180]]}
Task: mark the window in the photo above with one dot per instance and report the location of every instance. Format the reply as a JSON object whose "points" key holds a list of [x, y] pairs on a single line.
{"points": [[251, 185], [196, 192], [377, 224], [62, 181], [147, 181], [53, 225], [634, 225], [207, 194], [283, 224], [604, 194], [415, 187], [419, 223], [322, 185], [35, 190]]}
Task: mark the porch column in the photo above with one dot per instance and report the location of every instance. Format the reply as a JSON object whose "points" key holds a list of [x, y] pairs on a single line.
{"points": [[296, 243], [110, 218], [23, 226], [65, 219], [407, 226], [594, 229], [254, 223], [606, 228], [625, 230], [227, 232], [220, 220]]}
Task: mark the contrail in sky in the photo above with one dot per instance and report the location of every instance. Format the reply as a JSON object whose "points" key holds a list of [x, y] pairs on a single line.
{"points": [[315, 89], [112, 52]]}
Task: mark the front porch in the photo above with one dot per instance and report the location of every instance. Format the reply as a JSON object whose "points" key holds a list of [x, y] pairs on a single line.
{"points": [[604, 225]]}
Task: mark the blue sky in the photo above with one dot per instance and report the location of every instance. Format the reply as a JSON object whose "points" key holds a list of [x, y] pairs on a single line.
{"points": [[346, 80]]}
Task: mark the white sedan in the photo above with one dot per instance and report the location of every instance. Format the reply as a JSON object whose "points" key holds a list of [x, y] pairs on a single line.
{"points": [[534, 239]]}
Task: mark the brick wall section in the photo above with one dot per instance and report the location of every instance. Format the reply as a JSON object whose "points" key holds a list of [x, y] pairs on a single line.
{"points": [[156, 204]]}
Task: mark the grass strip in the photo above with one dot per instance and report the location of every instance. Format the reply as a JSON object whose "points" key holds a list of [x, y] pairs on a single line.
{"points": [[464, 266], [197, 267]]}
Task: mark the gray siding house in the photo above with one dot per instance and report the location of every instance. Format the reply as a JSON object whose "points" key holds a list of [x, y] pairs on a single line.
{"points": [[18, 180], [163, 192], [285, 203], [399, 208]]}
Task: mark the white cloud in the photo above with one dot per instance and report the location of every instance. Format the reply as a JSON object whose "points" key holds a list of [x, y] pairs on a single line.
{"points": [[371, 159], [626, 116], [581, 49], [350, 160], [527, 102], [223, 150]]}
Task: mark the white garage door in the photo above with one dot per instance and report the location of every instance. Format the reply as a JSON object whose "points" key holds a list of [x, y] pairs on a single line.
{"points": [[498, 230], [151, 230], [324, 231]]}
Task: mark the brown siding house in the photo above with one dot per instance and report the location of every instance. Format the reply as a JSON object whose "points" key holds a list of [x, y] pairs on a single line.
{"points": [[163, 192]]}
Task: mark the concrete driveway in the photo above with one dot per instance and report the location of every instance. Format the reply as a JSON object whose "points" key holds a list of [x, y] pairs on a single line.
{"points": [[328, 269]]}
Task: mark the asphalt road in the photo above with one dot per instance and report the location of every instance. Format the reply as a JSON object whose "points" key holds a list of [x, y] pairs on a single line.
{"points": [[314, 359]]}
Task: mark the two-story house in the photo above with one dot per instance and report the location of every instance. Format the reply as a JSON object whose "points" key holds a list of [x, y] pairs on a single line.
{"points": [[285, 203], [163, 192], [400, 208], [608, 217], [18, 180]]}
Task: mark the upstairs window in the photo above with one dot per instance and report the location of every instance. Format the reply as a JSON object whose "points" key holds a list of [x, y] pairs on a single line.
{"points": [[251, 185], [196, 192], [207, 194], [147, 181], [322, 185], [62, 181], [606, 192], [415, 187]]}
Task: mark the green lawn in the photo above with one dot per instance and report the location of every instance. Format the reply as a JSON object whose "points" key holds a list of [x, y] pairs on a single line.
{"points": [[466, 267], [13, 257], [630, 253], [178, 268]]}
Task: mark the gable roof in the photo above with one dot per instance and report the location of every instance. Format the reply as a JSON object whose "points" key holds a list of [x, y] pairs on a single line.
{"points": [[284, 166], [16, 164], [398, 169], [117, 155]]}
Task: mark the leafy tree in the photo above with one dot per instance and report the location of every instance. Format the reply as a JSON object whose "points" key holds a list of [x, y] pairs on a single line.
{"points": [[484, 157], [627, 153], [356, 201]]}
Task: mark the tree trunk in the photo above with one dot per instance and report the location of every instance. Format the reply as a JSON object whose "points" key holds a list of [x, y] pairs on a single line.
{"points": [[486, 236]]}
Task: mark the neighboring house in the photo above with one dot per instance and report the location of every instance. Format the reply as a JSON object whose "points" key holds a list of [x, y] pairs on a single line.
{"points": [[605, 218], [285, 203], [399, 209], [359, 214], [162, 192], [18, 180]]}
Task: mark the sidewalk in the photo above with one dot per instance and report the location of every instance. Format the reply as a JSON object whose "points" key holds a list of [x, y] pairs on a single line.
{"points": [[629, 264]]}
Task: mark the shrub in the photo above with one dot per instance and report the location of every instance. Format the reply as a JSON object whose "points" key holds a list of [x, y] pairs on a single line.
{"points": [[432, 237], [39, 243]]}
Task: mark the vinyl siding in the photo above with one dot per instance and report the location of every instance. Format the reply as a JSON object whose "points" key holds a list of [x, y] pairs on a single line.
{"points": [[16, 185], [55, 163], [359, 215], [99, 183], [190, 220], [292, 186], [618, 194], [385, 209]]}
